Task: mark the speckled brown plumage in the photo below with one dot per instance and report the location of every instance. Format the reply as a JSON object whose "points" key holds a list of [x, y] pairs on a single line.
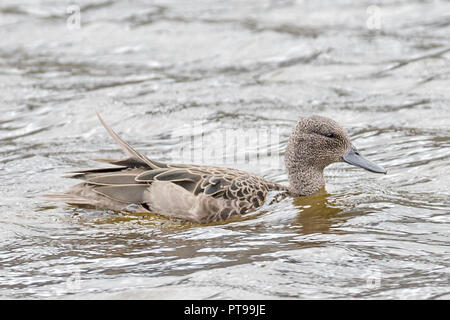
{"points": [[205, 194], [315, 143]]}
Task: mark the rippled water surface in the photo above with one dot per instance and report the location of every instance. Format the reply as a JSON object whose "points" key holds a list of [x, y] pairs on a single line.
{"points": [[161, 71]]}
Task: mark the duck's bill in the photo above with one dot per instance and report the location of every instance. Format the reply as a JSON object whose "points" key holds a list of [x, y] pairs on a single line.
{"points": [[353, 157]]}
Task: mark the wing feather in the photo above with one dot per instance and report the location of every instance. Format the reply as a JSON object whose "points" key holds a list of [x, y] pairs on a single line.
{"points": [[171, 175], [124, 193], [116, 178]]}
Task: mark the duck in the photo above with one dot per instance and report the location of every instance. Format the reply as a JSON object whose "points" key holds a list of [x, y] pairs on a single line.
{"points": [[204, 194]]}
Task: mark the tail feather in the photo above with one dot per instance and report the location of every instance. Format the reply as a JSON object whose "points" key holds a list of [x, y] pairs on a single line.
{"points": [[67, 198], [137, 156], [114, 187], [83, 173], [83, 195], [128, 162]]}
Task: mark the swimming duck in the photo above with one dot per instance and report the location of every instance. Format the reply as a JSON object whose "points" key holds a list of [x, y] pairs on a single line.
{"points": [[204, 194]]}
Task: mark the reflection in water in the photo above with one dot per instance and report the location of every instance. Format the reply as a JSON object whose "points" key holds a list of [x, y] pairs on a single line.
{"points": [[316, 213]]}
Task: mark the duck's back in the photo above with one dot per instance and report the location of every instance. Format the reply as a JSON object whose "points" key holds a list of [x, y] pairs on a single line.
{"points": [[196, 193]]}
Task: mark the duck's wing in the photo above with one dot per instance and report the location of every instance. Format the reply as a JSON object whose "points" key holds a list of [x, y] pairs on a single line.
{"points": [[245, 189]]}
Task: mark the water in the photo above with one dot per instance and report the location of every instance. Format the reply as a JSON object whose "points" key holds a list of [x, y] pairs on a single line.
{"points": [[154, 70]]}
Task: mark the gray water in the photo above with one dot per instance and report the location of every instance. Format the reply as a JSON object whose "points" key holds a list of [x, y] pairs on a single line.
{"points": [[161, 71]]}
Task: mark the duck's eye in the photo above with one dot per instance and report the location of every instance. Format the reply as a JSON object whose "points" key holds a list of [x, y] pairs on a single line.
{"points": [[330, 135]]}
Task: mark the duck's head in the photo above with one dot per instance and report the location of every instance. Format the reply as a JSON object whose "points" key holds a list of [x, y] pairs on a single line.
{"points": [[315, 143]]}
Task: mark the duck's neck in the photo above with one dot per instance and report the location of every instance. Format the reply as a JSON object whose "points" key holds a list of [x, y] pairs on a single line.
{"points": [[305, 173], [305, 181]]}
